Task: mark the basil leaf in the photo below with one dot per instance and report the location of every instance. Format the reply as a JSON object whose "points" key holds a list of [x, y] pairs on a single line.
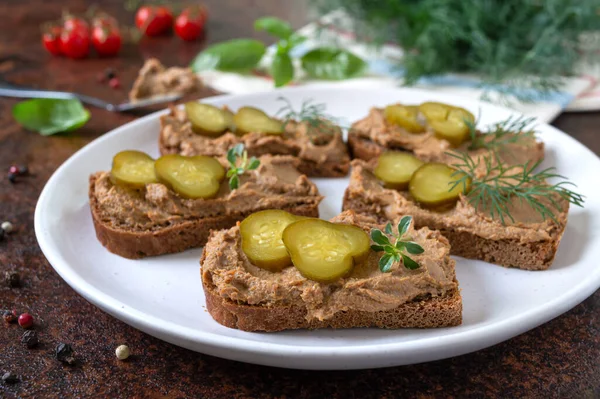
{"points": [[404, 225], [274, 27], [49, 116], [385, 263], [233, 55], [332, 63], [409, 263], [379, 237], [282, 69], [414, 248]]}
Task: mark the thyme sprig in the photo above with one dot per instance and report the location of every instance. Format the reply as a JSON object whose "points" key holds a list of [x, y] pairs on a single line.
{"points": [[239, 163], [394, 252], [312, 113], [493, 189], [509, 131]]}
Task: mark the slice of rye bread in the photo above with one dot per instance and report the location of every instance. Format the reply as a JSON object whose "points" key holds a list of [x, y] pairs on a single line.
{"points": [[134, 242], [513, 252], [424, 311], [177, 137]]}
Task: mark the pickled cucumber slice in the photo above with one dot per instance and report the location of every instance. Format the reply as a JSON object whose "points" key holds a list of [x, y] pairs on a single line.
{"points": [[133, 169], [405, 116], [396, 168], [207, 119], [434, 111], [324, 251], [430, 186], [250, 119], [190, 177], [261, 238], [448, 122]]}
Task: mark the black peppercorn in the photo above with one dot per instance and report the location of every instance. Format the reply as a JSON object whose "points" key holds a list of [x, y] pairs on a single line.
{"points": [[2, 233], [12, 177], [29, 339], [10, 378], [23, 170], [12, 278], [64, 353], [10, 317], [109, 73]]}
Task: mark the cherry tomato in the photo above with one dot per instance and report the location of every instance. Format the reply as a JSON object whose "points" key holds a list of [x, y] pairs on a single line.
{"points": [[75, 43], [103, 19], [153, 20], [106, 40], [190, 23], [51, 40], [71, 23]]}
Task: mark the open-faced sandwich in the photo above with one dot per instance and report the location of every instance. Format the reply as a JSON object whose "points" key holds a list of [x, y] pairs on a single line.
{"points": [[431, 129], [507, 215], [203, 129], [146, 207], [275, 271]]}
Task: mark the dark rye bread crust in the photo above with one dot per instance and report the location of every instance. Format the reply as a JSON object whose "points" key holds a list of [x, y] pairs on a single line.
{"points": [[176, 238], [365, 149], [508, 253]]}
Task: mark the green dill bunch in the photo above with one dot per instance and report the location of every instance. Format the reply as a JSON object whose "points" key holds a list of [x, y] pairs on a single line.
{"points": [[520, 43]]}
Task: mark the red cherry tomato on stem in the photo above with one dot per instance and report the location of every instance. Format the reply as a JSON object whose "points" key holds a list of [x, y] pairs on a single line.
{"points": [[103, 19], [71, 23], [75, 43], [51, 40], [190, 23], [153, 20], [106, 40]]}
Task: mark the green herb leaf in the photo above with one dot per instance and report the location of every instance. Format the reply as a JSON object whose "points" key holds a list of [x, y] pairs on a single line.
{"points": [[294, 40], [282, 69], [379, 238], [49, 116], [254, 163], [235, 55], [409, 263], [377, 248], [234, 182], [238, 159], [231, 156], [388, 229], [274, 26], [413, 248], [332, 64], [399, 245], [404, 225], [385, 263], [238, 149]]}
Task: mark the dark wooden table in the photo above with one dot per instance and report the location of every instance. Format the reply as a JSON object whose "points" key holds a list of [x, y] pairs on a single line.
{"points": [[558, 359]]}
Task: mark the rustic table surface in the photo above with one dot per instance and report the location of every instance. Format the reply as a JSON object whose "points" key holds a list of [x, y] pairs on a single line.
{"points": [[558, 359]]}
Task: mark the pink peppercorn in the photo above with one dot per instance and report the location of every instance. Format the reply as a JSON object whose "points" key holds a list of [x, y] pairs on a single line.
{"points": [[26, 320]]}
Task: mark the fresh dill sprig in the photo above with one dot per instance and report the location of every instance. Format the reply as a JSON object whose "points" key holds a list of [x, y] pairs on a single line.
{"points": [[312, 113], [236, 168], [510, 131], [394, 252], [493, 189]]}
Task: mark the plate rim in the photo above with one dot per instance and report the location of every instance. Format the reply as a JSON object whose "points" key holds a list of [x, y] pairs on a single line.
{"points": [[476, 338]]}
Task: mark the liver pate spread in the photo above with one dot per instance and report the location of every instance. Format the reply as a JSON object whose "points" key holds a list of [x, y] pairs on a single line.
{"points": [[154, 80], [275, 184], [231, 275], [177, 136], [429, 148], [528, 225]]}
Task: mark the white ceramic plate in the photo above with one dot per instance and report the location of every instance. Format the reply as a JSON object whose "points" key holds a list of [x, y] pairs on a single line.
{"points": [[163, 295]]}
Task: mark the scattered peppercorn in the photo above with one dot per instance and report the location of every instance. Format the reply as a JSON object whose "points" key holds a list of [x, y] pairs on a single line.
{"points": [[10, 378], [2, 233], [114, 83], [7, 227], [26, 320], [10, 317], [22, 170], [12, 279], [12, 177], [29, 339], [64, 353], [109, 73], [13, 169], [122, 352]]}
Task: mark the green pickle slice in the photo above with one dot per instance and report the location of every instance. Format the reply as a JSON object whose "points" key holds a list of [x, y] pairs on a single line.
{"points": [[430, 186], [250, 119], [448, 122], [190, 177], [207, 119], [133, 169], [324, 251], [261, 238], [395, 169], [405, 116]]}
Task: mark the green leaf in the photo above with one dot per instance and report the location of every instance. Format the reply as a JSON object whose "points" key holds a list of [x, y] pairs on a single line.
{"points": [[254, 163], [390, 250], [332, 63], [282, 69], [234, 182], [235, 55], [400, 245], [409, 263], [231, 172], [404, 225], [274, 27], [294, 40], [231, 157], [49, 116], [388, 229], [413, 248], [377, 248], [379, 238], [238, 149], [385, 263]]}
